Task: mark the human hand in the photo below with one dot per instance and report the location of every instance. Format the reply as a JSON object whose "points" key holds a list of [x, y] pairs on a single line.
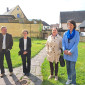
{"points": [[66, 52], [25, 52], [69, 53]]}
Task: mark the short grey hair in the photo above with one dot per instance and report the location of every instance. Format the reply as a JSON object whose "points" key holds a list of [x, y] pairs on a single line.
{"points": [[3, 27], [25, 31]]}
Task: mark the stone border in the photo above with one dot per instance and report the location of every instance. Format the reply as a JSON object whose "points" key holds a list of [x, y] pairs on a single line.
{"points": [[35, 77]]}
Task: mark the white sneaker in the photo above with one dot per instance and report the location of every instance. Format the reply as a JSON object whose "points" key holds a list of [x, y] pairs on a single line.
{"points": [[51, 76], [56, 78], [2, 75], [73, 84], [68, 82]]}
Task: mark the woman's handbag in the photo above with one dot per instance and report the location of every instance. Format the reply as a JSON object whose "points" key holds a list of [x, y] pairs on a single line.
{"points": [[61, 59], [19, 53]]}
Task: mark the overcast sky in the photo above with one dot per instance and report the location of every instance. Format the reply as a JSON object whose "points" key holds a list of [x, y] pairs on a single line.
{"points": [[46, 10]]}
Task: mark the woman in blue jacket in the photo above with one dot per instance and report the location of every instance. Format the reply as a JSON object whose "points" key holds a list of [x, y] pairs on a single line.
{"points": [[70, 47]]}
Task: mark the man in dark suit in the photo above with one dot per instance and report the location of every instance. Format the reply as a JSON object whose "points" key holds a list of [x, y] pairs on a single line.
{"points": [[6, 43], [25, 51]]}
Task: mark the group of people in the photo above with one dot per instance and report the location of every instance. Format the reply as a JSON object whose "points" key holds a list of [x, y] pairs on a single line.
{"points": [[54, 44], [69, 44], [6, 43]]}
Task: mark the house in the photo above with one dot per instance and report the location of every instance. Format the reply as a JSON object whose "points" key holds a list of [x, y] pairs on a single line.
{"points": [[46, 26], [17, 13], [16, 21], [35, 21], [54, 25], [82, 31], [82, 28], [77, 16]]}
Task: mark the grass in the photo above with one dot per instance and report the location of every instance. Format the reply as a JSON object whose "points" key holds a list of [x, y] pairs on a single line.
{"points": [[37, 45], [62, 73]]}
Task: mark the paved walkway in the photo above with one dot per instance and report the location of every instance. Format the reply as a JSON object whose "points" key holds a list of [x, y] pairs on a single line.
{"points": [[35, 77]]}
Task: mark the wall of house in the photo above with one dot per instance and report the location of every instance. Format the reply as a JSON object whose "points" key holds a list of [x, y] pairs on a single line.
{"points": [[64, 25], [16, 11], [16, 29], [82, 29]]}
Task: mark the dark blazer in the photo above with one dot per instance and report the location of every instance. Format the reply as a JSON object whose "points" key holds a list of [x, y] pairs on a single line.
{"points": [[9, 41], [21, 45]]}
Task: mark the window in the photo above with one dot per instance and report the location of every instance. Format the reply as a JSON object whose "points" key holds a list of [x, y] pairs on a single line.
{"points": [[47, 27], [17, 8], [82, 33], [18, 16], [84, 29]]}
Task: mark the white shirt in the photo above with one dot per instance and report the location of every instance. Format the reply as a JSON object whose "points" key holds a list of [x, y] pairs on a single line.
{"points": [[25, 44], [4, 42]]}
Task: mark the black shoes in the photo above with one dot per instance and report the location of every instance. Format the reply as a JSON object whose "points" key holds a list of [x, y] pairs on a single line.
{"points": [[26, 74]]}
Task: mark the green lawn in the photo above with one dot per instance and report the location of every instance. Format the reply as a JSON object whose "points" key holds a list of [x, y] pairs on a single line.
{"points": [[37, 45], [62, 73]]}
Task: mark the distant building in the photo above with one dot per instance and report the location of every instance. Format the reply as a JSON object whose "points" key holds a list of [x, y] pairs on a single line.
{"points": [[35, 21], [77, 16], [17, 13], [16, 21], [46, 26], [82, 28], [54, 25]]}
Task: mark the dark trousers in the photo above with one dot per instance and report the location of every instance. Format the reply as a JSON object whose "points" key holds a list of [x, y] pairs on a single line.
{"points": [[8, 59], [52, 68], [26, 60]]}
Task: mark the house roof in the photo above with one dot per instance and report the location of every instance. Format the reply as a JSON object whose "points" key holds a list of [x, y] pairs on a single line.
{"points": [[45, 24], [77, 16], [6, 18], [82, 24], [9, 12]]}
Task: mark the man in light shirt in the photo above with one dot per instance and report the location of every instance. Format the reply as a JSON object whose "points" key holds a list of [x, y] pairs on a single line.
{"points": [[6, 43]]}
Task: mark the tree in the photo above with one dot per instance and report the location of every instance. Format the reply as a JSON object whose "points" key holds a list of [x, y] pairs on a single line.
{"points": [[40, 31]]}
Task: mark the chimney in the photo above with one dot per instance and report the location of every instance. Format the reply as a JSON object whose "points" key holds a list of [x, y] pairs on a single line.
{"points": [[7, 9]]}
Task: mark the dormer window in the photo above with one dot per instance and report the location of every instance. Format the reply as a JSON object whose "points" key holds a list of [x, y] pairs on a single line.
{"points": [[17, 8]]}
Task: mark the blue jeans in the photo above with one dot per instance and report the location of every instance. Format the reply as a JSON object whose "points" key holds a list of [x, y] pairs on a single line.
{"points": [[71, 71]]}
